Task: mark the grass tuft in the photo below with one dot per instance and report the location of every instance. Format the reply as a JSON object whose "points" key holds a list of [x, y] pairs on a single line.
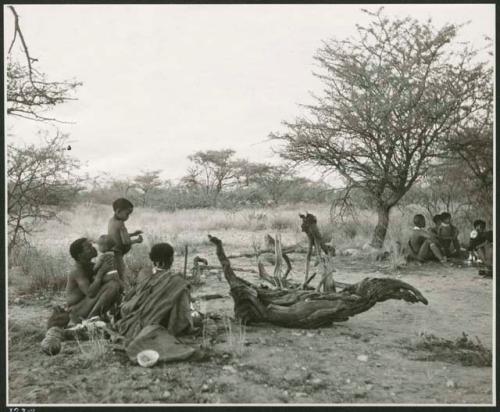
{"points": [[462, 350], [235, 336]]}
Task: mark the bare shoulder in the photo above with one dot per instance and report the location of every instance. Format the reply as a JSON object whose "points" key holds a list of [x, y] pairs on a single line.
{"points": [[77, 272], [114, 225]]}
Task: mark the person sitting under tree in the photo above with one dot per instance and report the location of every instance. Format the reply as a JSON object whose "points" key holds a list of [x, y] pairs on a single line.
{"points": [[437, 223], [423, 244], [90, 292], [481, 247], [448, 236]]}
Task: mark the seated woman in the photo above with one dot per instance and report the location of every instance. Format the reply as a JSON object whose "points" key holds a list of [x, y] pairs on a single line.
{"points": [[160, 297], [423, 244]]}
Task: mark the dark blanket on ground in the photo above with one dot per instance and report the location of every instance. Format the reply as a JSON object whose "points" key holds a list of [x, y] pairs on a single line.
{"points": [[160, 299]]}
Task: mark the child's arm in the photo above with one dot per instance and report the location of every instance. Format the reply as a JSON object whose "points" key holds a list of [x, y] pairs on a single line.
{"points": [[98, 262], [138, 240], [136, 233]]}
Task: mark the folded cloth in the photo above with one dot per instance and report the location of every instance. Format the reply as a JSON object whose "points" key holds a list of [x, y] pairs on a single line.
{"points": [[157, 338]]}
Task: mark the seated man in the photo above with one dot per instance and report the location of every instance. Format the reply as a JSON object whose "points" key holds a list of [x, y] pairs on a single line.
{"points": [[88, 292], [448, 236], [423, 244], [437, 223], [160, 297], [481, 245], [479, 236]]}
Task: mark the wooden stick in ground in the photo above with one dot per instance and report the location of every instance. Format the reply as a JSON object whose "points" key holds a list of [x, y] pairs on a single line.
{"points": [[306, 282], [271, 243], [185, 260], [279, 259]]}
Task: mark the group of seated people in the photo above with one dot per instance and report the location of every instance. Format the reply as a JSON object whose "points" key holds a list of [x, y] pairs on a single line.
{"points": [[94, 288], [95, 285], [440, 242]]}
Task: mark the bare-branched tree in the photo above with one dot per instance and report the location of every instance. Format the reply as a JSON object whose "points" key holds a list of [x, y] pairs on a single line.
{"points": [[39, 178], [29, 93], [471, 146], [391, 95]]}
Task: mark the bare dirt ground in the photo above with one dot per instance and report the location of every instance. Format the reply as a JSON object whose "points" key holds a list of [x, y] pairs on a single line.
{"points": [[277, 365]]}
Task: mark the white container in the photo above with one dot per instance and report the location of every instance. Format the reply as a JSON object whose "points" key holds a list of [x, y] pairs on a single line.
{"points": [[147, 358]]}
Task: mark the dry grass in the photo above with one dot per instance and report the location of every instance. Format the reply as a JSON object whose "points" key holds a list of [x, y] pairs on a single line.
{"points": [[96, 348], [38, 269], [462, 350], [235, 336]]}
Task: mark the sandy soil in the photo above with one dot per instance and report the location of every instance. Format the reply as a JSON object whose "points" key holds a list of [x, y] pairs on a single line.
{"points": [[278, 365]]}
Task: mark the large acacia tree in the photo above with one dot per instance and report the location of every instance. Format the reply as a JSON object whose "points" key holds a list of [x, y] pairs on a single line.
{"points": [[147, 182], [392, 94]]}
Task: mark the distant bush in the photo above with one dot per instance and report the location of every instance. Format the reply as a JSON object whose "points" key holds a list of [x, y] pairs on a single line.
{"points": [[173, 198]]}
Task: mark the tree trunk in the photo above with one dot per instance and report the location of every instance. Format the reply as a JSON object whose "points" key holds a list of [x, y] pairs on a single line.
{"points": [[382, 225]]}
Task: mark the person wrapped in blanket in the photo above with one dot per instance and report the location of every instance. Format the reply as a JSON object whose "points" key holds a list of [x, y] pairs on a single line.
{"points": [[481, 248], [160, 297], [157, 312]]}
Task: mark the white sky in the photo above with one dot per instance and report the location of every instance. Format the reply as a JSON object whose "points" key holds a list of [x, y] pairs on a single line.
{"points": [[162, 81]]}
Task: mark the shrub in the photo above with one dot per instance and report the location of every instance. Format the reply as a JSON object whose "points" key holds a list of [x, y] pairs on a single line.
{"points": [[38, 270]]}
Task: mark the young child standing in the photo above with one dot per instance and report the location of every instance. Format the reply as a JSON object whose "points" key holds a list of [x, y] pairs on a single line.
{"points": [[118, 234]]}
